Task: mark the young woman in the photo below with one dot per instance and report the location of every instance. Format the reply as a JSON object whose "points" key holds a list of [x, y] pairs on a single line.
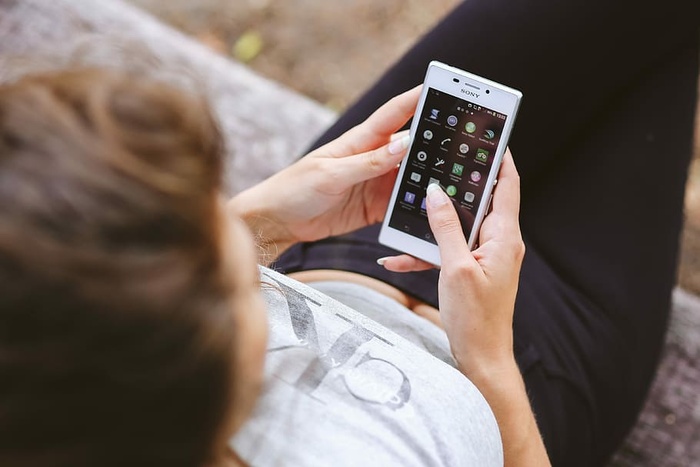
{"points": [[132, 330]]}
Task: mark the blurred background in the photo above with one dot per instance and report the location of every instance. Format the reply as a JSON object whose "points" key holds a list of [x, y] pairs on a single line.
{"points": [[333, 51]]}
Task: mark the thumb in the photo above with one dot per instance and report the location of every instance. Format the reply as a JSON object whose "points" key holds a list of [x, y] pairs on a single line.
{"points": [[446, 227]]}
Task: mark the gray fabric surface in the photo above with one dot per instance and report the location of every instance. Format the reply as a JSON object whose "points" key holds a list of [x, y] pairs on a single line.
{"points": [[392, 315], [266, 126]]}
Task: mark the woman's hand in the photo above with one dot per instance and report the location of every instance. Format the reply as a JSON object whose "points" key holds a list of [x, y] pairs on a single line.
{"points": [[476, 288], [340, 187], [477, 297]]}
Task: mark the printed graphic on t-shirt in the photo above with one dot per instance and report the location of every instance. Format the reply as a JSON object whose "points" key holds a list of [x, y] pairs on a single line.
{"points": [[341, 389], [366, 378]]}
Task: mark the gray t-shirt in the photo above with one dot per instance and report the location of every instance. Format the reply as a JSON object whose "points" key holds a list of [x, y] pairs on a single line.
{"points": [[344, 390]]}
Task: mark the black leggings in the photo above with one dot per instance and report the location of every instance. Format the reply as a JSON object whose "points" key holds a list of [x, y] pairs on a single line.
{"points": [[602, 144]]}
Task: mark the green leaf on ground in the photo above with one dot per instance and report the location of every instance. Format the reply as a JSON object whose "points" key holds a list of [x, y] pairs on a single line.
{"points": [[248, 46]]}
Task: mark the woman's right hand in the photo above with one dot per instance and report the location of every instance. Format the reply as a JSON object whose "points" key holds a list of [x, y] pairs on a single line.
{"points": [[476, 288], [477, 297]]}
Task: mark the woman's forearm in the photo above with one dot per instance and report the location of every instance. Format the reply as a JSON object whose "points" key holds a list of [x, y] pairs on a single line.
{"points": [[504, 390]]}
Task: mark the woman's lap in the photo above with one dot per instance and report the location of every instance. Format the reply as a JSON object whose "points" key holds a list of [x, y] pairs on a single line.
{"points": [[603, 169]]}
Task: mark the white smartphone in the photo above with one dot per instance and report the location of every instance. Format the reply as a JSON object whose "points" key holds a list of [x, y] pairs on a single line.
{"points": [[459, 134]]}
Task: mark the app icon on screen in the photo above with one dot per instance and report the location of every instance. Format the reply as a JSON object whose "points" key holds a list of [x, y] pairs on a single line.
{"points": [[464, 148], [434, 114], [482, 155], [422, 156], [452, 120], [427, 134], [470, 127], [475, 176], [451, 190], [433, 180], [415, 177], [468, 196], [422, 204], [457, 169], [409, 197], [489, 134]]}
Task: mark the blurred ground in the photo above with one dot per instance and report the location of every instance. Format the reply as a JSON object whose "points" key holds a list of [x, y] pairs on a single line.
{"points": [[332, 51]]}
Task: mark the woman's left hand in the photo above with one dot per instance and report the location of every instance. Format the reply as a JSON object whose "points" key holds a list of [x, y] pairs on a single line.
{"points": [[338, 188]]}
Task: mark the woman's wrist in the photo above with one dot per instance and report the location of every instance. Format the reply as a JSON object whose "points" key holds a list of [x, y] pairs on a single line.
{"points": [[489, 369], [271, 236], [502, 385], [487, 351]]}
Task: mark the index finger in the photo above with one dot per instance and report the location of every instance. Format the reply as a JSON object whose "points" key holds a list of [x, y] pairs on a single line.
{"points": [[385, 121], [506, 195]]}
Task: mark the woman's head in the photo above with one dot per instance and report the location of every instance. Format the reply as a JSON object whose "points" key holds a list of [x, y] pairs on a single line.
{"points": [[119, 300]]}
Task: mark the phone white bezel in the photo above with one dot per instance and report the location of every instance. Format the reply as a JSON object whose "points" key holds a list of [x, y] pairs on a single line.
{"points": [[454, 82]]}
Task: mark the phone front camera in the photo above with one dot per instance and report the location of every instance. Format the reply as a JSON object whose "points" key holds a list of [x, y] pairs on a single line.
{"points": [[488, 92]]}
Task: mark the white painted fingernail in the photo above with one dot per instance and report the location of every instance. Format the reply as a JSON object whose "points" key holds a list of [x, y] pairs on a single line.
{"points": [[436, 197], [381, 261], [399, 145]]}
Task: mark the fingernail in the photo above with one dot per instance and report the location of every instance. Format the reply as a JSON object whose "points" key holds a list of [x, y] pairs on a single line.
{"points": [[381, 261], [436, 197], [399, 145]]}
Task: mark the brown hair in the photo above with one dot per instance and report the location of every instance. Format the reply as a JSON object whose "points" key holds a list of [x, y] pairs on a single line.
{"points": [[115, 323]]}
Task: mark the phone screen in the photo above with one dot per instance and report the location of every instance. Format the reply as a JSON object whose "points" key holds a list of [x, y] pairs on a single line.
{"points": [[454, 145]]}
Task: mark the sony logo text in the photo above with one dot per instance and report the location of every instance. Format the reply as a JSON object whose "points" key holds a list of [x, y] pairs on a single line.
{"points": [[469, 93]]}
